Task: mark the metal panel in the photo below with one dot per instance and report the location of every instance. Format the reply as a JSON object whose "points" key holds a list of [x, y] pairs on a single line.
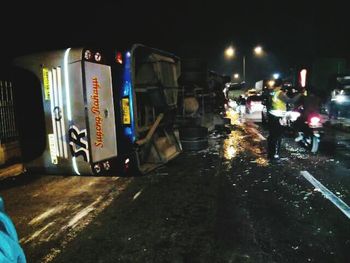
{"points": [[8, 130], [77, 133], [57, 110], [101, 114]]}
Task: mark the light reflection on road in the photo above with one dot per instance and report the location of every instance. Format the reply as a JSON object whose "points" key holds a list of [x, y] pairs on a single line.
{"points": [[235, 143]]}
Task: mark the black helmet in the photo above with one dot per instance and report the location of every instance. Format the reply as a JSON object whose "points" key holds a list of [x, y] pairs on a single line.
{"points": [[278, 83]]}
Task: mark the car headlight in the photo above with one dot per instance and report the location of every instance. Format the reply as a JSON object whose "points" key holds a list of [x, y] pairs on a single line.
{"points": [[340, 98]]}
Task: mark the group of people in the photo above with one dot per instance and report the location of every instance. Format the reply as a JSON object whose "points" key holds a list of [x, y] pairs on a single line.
{"points": [[277, 108]]}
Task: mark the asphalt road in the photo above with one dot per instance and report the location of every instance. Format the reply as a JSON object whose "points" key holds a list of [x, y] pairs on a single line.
{"points": [[223, 204]]}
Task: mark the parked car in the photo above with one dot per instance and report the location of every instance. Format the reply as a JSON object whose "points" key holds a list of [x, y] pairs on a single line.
{"points": [[233, 90]]}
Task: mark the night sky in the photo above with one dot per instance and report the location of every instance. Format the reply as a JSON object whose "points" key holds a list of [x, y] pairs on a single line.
{"points": [[291, 32]]}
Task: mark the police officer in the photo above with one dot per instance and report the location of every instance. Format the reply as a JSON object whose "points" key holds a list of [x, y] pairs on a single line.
{"points": [[277, 109]]}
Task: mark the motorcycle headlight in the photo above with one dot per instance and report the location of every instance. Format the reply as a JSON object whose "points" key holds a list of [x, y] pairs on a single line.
{"points": [[340, 98], [314, 120]]}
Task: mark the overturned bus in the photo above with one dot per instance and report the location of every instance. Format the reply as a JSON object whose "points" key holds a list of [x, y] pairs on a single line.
{"points": [[86, 111]]}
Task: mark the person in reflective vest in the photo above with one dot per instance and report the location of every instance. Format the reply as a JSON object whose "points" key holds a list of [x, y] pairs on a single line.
{"points": [[277, 109]]}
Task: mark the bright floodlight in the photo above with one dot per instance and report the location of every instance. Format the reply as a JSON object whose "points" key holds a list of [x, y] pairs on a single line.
{"points": [[236, 76], [276, 76], [258, 50], [230, 52]]}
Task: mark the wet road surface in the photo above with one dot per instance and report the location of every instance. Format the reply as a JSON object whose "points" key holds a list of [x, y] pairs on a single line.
{"points": [[223, 204]]}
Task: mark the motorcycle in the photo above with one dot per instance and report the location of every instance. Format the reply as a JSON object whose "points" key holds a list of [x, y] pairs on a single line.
{"points": [[307, 126]]}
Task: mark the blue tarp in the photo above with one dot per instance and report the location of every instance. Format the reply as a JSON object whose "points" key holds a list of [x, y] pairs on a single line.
{"points": [[10, 249]]}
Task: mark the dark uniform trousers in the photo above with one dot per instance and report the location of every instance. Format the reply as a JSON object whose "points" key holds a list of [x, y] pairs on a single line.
{"points": [[275, 136]]}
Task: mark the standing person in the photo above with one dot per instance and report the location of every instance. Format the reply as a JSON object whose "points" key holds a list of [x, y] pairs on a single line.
{"points": [[241, 103], [276, 111], [312, 102]]}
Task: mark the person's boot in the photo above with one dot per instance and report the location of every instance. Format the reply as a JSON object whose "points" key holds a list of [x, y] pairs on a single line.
{"points": [[276, 154], [273, 152]]}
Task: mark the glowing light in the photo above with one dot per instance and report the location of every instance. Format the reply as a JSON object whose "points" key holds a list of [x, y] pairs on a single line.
{"points": [[106, 165], [231, 145], [98, 57], [231, 152], [315, 120], [258, 50], [97, 168], [276, 75], [87, 54], [119, 58], [127, 160], [340, 98], [303, 73], [230, 52], [236, 76], [271, 83]]}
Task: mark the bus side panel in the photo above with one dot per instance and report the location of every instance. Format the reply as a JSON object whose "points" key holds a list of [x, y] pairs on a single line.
{"points": [[78, 132], [101, 115]]}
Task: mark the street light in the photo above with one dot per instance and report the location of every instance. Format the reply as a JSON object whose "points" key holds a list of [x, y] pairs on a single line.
{"points": [[230, 52], [258, 50], [276, 75], [236, 76]]}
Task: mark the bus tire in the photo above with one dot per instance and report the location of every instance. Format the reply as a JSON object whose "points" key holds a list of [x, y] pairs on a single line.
{"points": [[194, 145], [193, 132]]}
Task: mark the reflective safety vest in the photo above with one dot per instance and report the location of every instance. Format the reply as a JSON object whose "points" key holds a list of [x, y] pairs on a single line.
{"points": [[278, 106]]}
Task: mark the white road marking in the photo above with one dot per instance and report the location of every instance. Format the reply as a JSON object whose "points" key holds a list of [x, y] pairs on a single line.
{"points": [[83, 213], [327, 193], [137, 194], [36, 234], [46, 214]]}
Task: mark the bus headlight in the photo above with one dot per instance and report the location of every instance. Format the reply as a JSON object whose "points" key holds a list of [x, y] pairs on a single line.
{"points": [[87, 55], [97, 168], [98, 57]]}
